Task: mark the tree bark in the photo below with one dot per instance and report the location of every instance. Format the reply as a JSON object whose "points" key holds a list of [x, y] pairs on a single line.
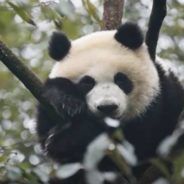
{"points": [[27, 77], [113, 13]]}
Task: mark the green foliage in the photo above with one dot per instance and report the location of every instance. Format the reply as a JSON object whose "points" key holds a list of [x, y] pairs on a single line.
{"points": [[92, 11], [21, 11]]}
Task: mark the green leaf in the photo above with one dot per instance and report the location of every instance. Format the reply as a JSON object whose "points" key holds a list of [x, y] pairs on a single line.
{"points": [[92, 11], [21, 11]]}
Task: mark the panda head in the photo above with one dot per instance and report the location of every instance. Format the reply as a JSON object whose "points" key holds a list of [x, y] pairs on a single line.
{"points": [[112, 68]]}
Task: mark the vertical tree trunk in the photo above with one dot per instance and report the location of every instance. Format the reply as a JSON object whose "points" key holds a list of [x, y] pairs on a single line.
{"points": [[113, 13]]}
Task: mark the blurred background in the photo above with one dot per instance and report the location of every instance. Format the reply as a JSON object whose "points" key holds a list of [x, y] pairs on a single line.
{"points": [[25, 26]]}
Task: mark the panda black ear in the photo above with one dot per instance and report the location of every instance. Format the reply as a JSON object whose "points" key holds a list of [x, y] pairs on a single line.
{"points": [[129, 35], [59, 46]]}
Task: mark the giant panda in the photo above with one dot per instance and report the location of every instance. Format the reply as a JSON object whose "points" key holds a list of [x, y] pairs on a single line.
{"points": [[106, 74]]}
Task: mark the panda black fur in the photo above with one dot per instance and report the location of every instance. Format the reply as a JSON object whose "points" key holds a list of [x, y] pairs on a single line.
{"points": [[107, 73]]}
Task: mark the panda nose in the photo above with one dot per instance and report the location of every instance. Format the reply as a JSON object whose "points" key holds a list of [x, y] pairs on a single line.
{"points": [[107, 109]]}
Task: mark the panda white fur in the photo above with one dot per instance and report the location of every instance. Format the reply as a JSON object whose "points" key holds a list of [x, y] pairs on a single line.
{"points": [[107, 73]]}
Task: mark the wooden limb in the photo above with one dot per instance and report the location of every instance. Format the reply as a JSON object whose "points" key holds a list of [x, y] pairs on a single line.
{"points": [[27, 77], [20, 71], [157, 16], [113, 13]]}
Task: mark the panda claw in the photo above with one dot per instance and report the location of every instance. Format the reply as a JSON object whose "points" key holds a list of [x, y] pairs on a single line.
{"points": [[69, 107]]}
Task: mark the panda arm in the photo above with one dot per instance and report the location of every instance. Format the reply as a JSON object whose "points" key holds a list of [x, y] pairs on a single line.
{"points": [[65, 97], [63, 140], [65, 137], [62, 94]]}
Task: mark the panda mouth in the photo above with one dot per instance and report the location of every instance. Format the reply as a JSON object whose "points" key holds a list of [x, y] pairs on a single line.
{"points": [[114, 115]]}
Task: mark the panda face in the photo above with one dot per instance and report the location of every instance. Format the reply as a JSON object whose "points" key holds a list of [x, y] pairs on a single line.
{"points": [[118, 79], [107, 98]]}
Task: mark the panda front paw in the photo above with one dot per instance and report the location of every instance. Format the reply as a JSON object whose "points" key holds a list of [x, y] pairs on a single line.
{"points": [[69, 107], [68, 143]]}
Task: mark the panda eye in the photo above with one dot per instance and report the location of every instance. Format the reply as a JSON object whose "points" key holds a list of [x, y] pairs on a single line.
{"points": [[86, 84], [123, 82]]}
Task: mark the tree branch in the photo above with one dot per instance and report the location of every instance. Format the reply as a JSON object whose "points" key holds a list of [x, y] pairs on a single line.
{"points": [[113, 13], [21, 71], [27, 77], [157, 16]]}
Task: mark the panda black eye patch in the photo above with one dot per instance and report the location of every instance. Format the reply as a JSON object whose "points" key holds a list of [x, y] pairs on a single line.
{"points": [[123, 82], [86, 84]]}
